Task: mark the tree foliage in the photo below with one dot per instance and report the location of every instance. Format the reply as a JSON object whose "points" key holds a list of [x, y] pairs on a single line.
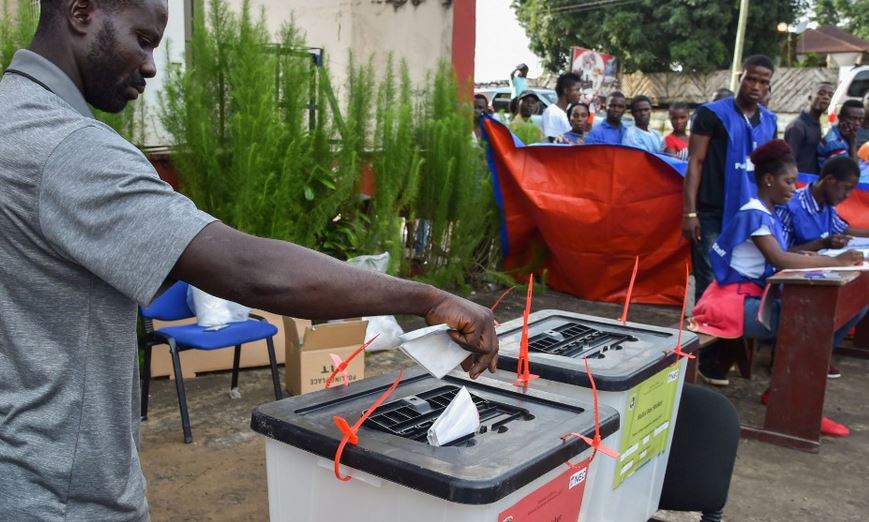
{"points": [[850, 15], [655, 35]]}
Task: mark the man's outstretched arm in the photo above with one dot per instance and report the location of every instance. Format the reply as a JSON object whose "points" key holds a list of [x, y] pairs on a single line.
{"points": [[291, 280]]}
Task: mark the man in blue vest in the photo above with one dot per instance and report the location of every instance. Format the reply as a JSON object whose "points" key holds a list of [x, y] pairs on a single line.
{"points": [[720, 175], [610, 131]]}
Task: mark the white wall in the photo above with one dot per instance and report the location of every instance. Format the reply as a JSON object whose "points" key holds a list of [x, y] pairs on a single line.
{"points": [[421, 34], [174, 39]]}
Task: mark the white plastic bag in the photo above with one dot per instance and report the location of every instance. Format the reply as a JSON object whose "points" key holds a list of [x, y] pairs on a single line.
{"points": [[211, 311], [385, 325]]}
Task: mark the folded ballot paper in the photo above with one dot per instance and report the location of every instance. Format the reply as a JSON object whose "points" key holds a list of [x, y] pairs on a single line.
{"points": [[433, 349], [459, 419]]}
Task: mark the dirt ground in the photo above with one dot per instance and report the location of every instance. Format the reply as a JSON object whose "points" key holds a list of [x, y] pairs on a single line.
{"points": [[221, 476]]}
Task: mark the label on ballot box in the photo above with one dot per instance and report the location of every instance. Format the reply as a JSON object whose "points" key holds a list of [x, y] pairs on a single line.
{"points": [[647, 422], [558, 500]]}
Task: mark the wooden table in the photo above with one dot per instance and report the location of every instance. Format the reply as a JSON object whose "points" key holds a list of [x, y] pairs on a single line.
{"points": [[812, 310]]}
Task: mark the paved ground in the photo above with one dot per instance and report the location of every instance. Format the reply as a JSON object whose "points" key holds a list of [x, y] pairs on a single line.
{"points": [[221, 475]]}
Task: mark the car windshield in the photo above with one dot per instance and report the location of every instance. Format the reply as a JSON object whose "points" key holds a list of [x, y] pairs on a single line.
{"points": [[549, 95]]}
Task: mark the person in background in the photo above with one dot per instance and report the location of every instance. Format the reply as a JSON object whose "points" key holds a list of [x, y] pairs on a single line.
{"points": [[639, 135], [481, 107], [522, 125], [555, 121], [863, 131], [577, 113], [863, 161], [749, 250], [803, 133], [721, 94], [720, 178], [519, 79], [841, 139], [676, 143], [810, 221], [610, 131]]}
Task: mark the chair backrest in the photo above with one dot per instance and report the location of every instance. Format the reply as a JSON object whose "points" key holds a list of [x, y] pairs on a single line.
{"points": [[171, 305]]}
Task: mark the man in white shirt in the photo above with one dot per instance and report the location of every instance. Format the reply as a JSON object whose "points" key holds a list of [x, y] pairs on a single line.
{"points": [[555, 121]]}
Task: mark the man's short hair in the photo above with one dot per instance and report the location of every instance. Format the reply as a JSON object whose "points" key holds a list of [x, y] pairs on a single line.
{"points": [[640, 98], [841, 168], [722, 93], [615, 94], [680, 106], [758, 60], [850, 104], [565, 81], [48, 9]]}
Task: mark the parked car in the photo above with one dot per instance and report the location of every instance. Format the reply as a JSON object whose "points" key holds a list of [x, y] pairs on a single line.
{"points": [[852, 86]]}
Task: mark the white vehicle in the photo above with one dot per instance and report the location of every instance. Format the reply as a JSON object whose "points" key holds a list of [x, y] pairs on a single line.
{"points": [[853, 85]]}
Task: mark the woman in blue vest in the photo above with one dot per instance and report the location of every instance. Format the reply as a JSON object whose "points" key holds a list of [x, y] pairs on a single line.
{"points": [[810, 220], [751, 248]]}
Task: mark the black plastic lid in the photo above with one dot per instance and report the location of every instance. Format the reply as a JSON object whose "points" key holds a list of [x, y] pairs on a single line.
{"points": [[520, 438], [620, 355]]}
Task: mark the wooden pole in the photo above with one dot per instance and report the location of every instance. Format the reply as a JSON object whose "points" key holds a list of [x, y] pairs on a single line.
{"points": [[736, 70]]}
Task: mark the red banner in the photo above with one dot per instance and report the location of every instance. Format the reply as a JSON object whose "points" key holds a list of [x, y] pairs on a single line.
{"points": [[586, 212]]}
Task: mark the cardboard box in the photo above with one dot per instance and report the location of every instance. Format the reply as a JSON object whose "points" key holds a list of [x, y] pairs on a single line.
{"points": [[308, 363], [253, 355]]}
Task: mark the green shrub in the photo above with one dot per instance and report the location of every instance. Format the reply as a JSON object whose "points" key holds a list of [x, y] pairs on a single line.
{"points": [[15, 32]]}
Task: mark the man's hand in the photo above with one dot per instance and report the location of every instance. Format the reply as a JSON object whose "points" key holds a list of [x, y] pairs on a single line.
{"points": [[836, 241], [850, 257], [691, 228], [472, 327]]}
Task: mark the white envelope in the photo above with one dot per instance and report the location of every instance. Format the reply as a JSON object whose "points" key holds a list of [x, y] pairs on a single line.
{"points": [[460, 418], [433, 349]]}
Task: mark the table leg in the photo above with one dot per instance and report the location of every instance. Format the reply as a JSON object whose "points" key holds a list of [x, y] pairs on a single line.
{"points": [[860, 345], [799, 380]]}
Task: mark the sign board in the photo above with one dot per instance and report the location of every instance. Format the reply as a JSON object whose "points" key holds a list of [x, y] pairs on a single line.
{"points": [[599, 73]]}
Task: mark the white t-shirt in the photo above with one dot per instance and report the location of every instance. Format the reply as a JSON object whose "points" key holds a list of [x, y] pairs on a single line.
{"points": [[555, 122], [747, 259]]}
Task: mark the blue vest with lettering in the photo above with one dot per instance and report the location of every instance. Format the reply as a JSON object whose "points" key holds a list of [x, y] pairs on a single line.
{"points": [[739, 182], [737, 231]]}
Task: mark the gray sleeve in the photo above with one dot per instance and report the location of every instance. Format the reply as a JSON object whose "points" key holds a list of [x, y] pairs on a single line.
{"points": [[102, 206]]}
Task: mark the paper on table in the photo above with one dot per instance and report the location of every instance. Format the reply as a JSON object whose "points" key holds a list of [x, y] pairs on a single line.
{"points": [[460, 418], [433, 349]]}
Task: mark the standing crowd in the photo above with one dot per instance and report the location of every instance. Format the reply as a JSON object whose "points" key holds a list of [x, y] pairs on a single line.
{"points": [[742, 211]]}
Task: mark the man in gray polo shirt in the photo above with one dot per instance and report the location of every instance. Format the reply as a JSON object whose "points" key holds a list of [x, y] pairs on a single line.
{"points": [[88, 231]]}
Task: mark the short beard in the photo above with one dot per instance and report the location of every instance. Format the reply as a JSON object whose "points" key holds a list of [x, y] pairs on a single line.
{"points": [[102, 88]]}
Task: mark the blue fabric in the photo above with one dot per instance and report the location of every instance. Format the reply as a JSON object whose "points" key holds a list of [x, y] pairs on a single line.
{"points": [[171, 305], [195, 336], [496, 184], [650, 141], [733, 234], [832, 145], [605, 134], [739, 183], [804, 220]]}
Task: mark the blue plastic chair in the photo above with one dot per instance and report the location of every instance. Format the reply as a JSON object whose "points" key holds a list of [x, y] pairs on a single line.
{"points": [[172, 306]]}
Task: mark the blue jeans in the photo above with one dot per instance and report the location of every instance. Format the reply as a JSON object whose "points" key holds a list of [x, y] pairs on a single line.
{"points": [[753, 329], [710, 229]]}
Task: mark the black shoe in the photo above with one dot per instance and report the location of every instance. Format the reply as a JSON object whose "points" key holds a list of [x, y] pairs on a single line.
{"points": [[833, 372], [714, 376]]}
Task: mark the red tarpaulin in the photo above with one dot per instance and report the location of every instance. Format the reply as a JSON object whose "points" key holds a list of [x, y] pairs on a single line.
{"points": [[589, 211]]}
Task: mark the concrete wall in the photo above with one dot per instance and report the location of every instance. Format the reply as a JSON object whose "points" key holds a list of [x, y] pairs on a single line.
{"points": [[422, 34]]}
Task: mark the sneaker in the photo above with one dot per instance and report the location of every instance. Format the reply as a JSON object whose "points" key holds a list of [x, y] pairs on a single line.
{"points": [[832, 428], [714, 376], [833, 372]]}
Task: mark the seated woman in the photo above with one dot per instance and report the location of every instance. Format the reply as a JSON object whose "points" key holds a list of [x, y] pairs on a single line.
{"points": [[749, 250], [810, 220], [577, 114]]}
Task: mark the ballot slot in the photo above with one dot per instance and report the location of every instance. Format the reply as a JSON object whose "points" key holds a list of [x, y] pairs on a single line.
{"points": [[574, 339], [411, 417]]}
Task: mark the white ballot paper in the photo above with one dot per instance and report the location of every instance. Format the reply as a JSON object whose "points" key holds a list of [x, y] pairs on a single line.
{"points": [[460, 418], [433, 349]]}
